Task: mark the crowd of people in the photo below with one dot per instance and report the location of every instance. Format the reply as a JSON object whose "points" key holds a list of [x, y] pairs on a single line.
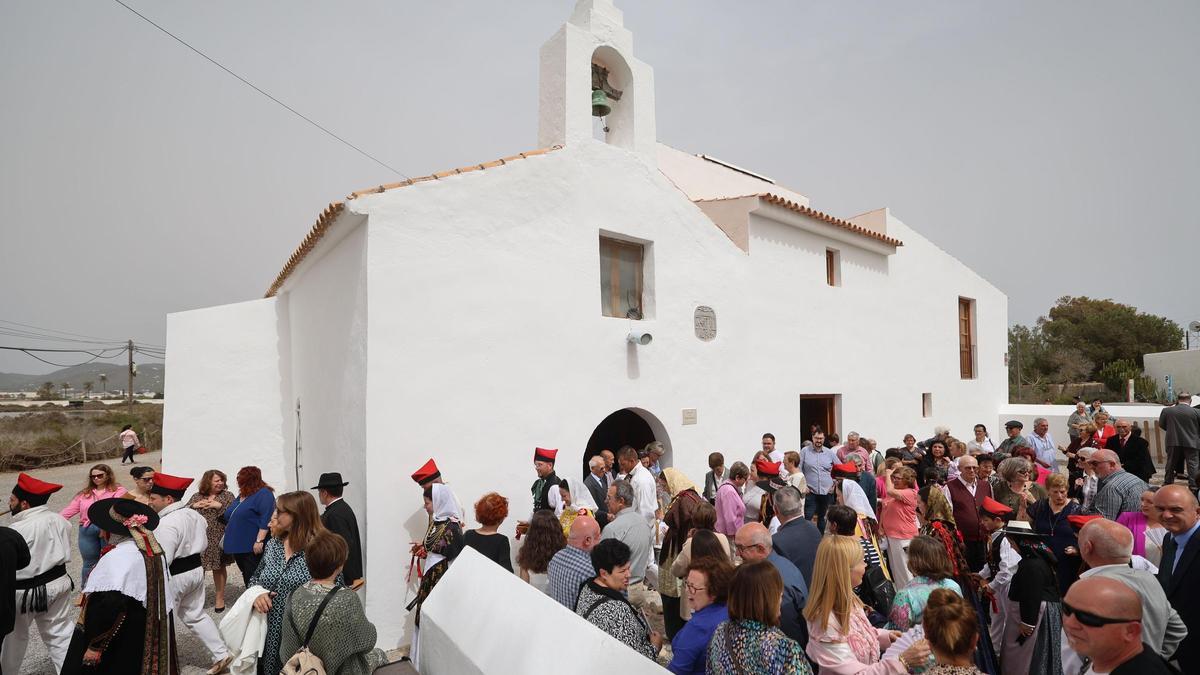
{"points": [[1013, 556], [936, 556], [145, 555]]}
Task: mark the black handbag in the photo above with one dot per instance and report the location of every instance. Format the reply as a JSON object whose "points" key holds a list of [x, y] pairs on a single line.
{"points": [[879, 589]]}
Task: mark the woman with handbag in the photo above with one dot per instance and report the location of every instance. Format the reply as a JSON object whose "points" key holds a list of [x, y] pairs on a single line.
{"points": [[211, 501], [325, 620], [284, 567]]}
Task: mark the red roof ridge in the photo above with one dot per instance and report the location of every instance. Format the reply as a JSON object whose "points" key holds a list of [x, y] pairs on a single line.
{"points": [[812, 213]]}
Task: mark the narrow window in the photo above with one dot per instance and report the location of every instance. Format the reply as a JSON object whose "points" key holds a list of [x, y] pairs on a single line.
{"points": [[966, 338], [621, 278], [833, 267], [927, 405]]}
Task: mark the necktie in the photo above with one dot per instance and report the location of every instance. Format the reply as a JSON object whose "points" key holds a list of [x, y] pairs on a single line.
{"points": [[1168, 560]]}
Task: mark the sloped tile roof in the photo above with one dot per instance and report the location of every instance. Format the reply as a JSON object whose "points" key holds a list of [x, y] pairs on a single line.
{"points": [[330, 214], [818, 215]]}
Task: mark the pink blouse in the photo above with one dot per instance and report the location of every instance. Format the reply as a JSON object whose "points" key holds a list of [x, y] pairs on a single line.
{"points": [[898, 517], [81, 503], [855, 653]]}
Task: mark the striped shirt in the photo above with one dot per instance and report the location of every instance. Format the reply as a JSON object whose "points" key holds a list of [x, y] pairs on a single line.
{"points": [[1119, 493], [568, 570]]}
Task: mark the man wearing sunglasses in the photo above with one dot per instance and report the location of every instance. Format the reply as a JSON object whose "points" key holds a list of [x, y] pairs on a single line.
{"points": [[1107, 548], [1103, 621]]}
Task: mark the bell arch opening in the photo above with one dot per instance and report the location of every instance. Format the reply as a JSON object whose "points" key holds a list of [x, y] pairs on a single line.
{"points": [[612, 76], [628, 426]]}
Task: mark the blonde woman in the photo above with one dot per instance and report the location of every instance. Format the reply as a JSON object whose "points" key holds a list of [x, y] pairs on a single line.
{"points": [[841, 640]]}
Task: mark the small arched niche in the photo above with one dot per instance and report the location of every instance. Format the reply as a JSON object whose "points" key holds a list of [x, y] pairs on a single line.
{"points": [[611, 73]]}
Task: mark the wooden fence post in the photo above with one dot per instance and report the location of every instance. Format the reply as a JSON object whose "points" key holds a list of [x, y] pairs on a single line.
{"points": [[83, 446]]}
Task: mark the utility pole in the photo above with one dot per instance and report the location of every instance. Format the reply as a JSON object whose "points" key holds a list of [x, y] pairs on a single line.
{"points": [[130, 390]]}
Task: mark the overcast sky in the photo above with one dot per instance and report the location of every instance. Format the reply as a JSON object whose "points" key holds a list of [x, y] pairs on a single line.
{"points": [[1052, 147]]}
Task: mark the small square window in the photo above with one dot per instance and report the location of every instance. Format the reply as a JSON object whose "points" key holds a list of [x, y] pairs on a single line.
{"points": [[927, 405], [833, 267], [621, 278]]}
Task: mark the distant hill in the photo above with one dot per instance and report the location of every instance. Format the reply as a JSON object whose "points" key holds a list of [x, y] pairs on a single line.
{"points": [[150, 377]]}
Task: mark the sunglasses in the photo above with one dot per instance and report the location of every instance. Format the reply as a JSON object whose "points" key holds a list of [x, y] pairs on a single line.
{"points": [[99, 475], [1091, 620]]}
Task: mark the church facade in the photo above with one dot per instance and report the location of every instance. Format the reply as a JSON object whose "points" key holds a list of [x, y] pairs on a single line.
{"points": [[600, 289]]}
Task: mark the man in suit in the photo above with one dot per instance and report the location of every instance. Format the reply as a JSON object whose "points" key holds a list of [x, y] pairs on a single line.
{"points": [[754, 543], [797, 538], [597, 483], [1182, 424], [1132, 449], [339, 518], [1179, 572]]}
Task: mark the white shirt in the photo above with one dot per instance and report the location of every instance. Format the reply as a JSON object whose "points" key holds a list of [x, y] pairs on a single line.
{"points": [[777, 456], [1009, 559], [48, 536], [181, 532], [645, 495], [970, 487]]}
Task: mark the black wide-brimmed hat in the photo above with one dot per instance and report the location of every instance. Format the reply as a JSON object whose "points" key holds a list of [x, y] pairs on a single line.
{"points": [[110, 514], [329, 480]]}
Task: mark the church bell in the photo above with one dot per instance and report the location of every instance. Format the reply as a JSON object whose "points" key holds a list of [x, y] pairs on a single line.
{"points": [[600, 106]]}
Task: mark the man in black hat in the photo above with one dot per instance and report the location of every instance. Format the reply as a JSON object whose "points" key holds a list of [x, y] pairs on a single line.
{"points": [[339, 518], [1015, 439], [127, 599]]}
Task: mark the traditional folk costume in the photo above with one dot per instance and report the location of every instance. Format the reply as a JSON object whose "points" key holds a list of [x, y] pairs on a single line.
{"points": [[124, 626], [680, 518], [429, 474], [939, 524], [543, 487], [42, 588], [1002, 561], [182, 535], [1033, 601], [442, 543], [581, 504], [769, 482]]}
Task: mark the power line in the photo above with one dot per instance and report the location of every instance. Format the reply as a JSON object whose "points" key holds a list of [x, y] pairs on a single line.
{"points": [[246, 82], [60, 332]]}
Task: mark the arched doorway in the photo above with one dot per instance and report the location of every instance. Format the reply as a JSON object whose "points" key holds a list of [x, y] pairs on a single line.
{"points": [[627, 426]]}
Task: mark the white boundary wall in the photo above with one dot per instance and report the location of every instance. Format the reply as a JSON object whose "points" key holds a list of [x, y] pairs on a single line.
{"points": [[482, 619], [1183, 366]]}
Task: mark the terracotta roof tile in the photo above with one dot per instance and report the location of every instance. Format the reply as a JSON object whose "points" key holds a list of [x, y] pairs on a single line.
{"points": [[818, 215], [330, 214]]}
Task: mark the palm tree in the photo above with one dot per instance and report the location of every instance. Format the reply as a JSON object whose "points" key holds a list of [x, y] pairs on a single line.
{"points": [[87, 388], [65, 386]]}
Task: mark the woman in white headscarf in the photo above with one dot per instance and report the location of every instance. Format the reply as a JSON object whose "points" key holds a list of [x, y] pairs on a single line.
{"points": [[442, 543], [571, 500], [850, 494]]}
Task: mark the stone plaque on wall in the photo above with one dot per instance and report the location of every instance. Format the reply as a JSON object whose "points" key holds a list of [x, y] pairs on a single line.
{"points": [[706, 323], [689, 416]]}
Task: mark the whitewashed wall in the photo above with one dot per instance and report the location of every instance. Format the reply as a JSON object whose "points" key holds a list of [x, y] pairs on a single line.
{"points": [[486, 336], [526, 631], [1183, 367], [328, 324], [227, 391]]}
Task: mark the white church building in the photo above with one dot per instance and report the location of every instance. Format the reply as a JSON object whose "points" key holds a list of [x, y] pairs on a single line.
{"points": [[600, 289]]}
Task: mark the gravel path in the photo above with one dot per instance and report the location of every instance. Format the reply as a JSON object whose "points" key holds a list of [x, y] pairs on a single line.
{"points": [[194, 658]]}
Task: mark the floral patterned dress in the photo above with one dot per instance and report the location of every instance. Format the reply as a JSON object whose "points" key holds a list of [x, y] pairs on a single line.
{"points": [[281, 575], [213, 557], [751, 648]]}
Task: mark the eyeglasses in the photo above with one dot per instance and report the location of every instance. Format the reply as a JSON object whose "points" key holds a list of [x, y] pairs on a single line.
{"points": [[694, 589], [99, 475], [743, 547], [1091, 620]]}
